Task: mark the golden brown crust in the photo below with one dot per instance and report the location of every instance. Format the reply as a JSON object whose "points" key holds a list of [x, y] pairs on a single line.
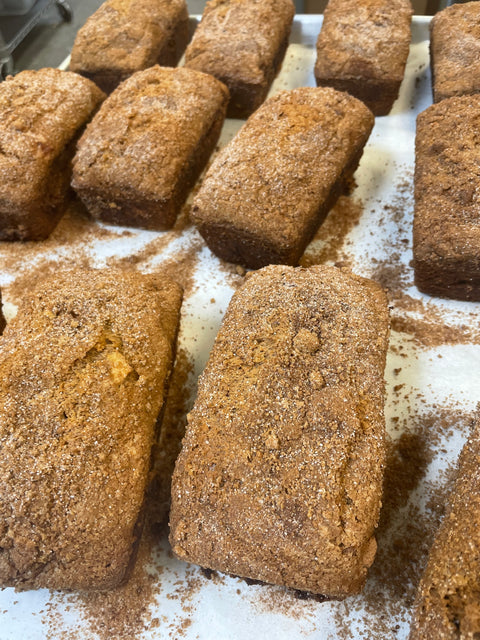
{"points": [[280, 474], [242, 43], [42, 112], [446, 234], [447, 606], [83, 371], [363, 48], [267, 192], [142, 153], [455, 51], [125, 36]]}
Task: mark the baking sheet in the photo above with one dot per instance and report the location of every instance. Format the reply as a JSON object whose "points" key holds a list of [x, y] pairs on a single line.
{"points": [[434, 351]]}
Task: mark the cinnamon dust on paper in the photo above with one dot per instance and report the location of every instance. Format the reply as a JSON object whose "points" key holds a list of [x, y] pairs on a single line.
{"points": [[405, 533], [330, 240]]}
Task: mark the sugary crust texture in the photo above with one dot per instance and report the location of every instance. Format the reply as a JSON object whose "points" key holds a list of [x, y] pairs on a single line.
{"points": [[125, 36], [145, 148], [83, 373], [41, 113], [242, 43], [446, 232], [280, 474], [447, 606], [455, 51], [268, 191], [363, 48]]}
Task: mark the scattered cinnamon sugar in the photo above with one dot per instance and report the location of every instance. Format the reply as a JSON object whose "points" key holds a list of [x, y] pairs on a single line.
{"points": [[405, 533], [179, 267], [330, 238]]}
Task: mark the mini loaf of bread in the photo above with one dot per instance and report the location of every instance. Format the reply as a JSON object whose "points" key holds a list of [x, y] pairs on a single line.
{"points": [[242, 43], [268, 191], [41, 114], [447, 606], [83, 374], [280, 474], [455, 51], [363, 48], [144, 150], [446, 234], [125, 36]]}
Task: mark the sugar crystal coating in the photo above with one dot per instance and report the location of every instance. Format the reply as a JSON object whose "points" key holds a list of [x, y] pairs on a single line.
{"points": [[280, 474], [125, 36], [447, 604], [84, 367], [42, 113]]}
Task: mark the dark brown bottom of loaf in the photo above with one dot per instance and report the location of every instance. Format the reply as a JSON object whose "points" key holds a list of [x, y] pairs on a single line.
{"points": [[119, 207], [133, 211], [453, 282], [246, 97], [379, 96], [36, 223], [254, 252]]}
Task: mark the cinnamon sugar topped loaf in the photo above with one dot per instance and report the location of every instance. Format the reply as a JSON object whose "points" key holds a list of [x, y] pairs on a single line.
{"points": [[266, 193], [142, 153], [41, 114], [280, 474], [363, 48], [446, 232], [242, 43], [455, 51], [83, 373], [124, 36]]}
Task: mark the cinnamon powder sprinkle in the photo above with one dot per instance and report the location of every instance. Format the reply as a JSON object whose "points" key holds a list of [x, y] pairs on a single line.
{"points": [[331, 236]]}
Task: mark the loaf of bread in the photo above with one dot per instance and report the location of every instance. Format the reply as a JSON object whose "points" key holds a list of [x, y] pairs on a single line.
{"points": [[268, 191], [455, 51], [363, 48], [145, 148], [447, 606], [41, 115], [280, 474], [125, 36], [446, 234], [83, 374], [242, 43]]}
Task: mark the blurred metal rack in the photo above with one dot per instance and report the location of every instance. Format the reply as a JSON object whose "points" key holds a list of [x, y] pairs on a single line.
{"points": [[15, 27]]}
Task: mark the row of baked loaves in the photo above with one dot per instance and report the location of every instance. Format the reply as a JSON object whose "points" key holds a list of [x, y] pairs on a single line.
{"points": [[362, 48], [296, 367]]}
